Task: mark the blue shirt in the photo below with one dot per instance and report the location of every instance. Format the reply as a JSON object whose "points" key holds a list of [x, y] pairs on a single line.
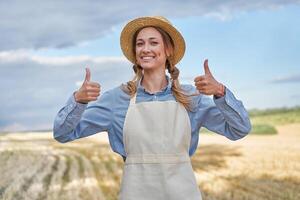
{"points": [[225, 115]]}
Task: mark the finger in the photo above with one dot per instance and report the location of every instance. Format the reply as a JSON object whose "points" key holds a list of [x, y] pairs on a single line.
{"points": [[202, 91], [87, 75], [201, 87], [199, 78], [93, 89], [92, 98], [206, 68], [93, 94], [201, 83], [94, 84]]}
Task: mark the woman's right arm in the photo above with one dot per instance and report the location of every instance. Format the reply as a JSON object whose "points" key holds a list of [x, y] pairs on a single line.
{"points": [[76, 120], [79, 118]]}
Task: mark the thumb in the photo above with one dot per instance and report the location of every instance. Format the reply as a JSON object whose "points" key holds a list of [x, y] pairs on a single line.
{"points": [[87, 75], [206, 68]]}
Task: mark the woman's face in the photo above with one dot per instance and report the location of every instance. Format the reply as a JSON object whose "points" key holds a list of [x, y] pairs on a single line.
{"points": [[150, 49]]}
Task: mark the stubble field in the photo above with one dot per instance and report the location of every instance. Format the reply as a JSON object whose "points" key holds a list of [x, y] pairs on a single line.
{"points": [[259, 167]]}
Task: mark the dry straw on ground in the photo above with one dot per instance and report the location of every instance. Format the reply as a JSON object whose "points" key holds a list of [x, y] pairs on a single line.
{"points": [[34, 166]]}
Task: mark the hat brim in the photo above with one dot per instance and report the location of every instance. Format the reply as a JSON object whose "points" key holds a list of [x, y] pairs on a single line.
{"points": [[126, 38]]}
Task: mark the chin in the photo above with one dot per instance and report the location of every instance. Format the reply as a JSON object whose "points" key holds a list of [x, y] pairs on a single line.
{"points": [[147, 66], [150, 65]]}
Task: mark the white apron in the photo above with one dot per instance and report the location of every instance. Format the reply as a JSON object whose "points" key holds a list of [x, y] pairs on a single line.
{"points": [[156, 138]]}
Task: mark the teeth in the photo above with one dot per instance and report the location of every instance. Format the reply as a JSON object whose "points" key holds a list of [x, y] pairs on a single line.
{"points": [[147, 57]]}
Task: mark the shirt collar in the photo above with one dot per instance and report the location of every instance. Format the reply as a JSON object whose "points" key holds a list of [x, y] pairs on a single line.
{"points": [[141, 88]]}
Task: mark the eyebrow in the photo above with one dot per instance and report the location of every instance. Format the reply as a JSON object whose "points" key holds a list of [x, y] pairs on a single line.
{"points": [[149, 38]]}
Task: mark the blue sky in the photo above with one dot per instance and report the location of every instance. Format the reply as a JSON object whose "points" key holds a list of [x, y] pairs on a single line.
{"points": [[252, 47]]}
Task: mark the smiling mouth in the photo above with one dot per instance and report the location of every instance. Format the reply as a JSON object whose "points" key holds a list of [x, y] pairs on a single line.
{"points": [[147, 58]]}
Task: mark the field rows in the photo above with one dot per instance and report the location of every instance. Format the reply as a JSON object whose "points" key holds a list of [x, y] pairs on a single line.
{"points": [[31, 171], [36, 167]]}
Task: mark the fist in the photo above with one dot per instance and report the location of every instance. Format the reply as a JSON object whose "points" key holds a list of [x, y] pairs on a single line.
{"points": [[89, 91], [206, 83]]}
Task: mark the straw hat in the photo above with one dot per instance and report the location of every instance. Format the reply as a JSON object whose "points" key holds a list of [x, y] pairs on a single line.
{"points": [[158, 21]]}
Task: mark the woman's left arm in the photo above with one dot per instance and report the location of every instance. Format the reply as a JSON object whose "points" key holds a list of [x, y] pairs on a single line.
{"points": [[223, 114]]}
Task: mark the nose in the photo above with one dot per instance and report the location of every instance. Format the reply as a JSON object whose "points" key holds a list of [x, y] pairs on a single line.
{"points": [[146, 48]]}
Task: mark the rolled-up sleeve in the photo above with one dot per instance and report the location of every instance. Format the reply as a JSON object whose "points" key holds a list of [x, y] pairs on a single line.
{"points": [[225, 115], [76, 120]]}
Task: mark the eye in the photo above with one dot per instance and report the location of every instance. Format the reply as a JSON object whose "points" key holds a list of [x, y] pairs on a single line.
{"points": [[154, 43], [139, 44]]}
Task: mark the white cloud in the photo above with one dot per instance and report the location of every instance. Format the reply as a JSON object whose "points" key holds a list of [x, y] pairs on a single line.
{"points": [[67, 60], [287, 79], [36, 87], [21, 55], [58, 24]]}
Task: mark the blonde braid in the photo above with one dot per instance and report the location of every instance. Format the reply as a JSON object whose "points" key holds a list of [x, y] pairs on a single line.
{"points": [[179, 94], [131, 86]]}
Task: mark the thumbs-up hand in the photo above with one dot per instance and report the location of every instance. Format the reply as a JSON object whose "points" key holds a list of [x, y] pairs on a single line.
{"points": [[207, 84], [89, 91]]}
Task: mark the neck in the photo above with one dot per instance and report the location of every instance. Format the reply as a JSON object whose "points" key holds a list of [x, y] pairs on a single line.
{"points": [[154, 81]]}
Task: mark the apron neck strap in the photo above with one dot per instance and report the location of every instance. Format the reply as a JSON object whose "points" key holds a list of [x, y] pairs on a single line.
{"points": [[133, 99]]}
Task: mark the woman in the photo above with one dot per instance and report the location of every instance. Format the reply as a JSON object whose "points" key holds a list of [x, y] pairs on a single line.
{"points": [[152, 121]]}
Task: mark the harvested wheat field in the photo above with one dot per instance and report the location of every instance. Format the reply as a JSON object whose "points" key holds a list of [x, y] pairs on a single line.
{"points": [[34, 166]]}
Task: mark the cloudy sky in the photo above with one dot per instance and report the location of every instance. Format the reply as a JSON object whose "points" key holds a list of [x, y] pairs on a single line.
{"points": [[253, 47]]}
